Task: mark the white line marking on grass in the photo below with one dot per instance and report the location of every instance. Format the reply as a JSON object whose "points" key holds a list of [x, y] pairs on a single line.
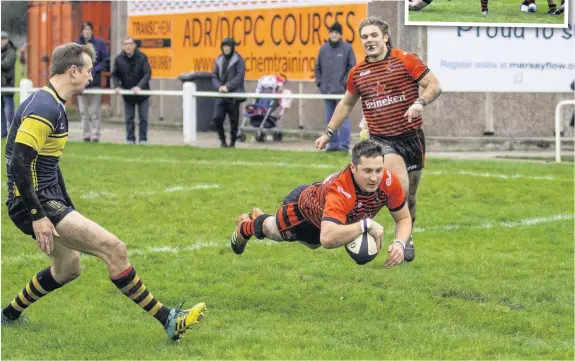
{"points": [[212, 244], [499, 176], [105, 194], [92, 195], [131, 252], [167, 249], [214, 162], [308, 165], [513, 224]]}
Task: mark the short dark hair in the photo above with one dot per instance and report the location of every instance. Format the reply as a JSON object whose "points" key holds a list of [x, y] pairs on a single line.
{"points": [[382, 25], [64, 56], [87, 24], [366, 148]]}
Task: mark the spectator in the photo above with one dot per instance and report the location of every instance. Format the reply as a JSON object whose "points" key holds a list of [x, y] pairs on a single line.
{"points": [[228, 77], [333, 63], [132, 71], [89, 104], [23, 51], [8, 65]]}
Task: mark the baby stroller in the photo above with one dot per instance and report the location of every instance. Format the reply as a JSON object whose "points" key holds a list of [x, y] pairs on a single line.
{"points": [[263, 116]]}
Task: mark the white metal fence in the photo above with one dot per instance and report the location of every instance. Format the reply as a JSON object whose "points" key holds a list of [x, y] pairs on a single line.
{"points": [[189, 95]]}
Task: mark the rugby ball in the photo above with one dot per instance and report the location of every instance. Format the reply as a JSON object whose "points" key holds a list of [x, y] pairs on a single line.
{"points": [[363, 249]]}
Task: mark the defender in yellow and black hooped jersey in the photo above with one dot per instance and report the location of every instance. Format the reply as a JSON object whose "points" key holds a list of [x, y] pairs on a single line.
{"points": [[41, 124], [39, 204]]}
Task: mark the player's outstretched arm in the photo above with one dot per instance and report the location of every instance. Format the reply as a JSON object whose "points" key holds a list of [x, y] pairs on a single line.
{"points": [[335, 235], [402, 231], [403, 224], [340, 114], [343, 109]]}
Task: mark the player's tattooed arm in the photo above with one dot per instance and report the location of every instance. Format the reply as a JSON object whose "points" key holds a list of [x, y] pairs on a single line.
{"points": [[431, 88]]}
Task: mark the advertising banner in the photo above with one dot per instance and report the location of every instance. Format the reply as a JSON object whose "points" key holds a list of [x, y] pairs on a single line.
{"points": [[274, 37]]}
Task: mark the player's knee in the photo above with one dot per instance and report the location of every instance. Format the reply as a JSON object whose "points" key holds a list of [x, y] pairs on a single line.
{"points": [[116, 250], [121, 250], [412, 198]]}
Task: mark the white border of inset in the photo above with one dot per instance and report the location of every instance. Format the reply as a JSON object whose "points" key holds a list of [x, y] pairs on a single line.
{"points": [[504, 25]]}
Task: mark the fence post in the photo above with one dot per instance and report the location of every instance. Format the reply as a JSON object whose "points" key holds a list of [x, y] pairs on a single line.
{"points": [[25, 89], [558, 126], [190, 113], [558, 133]]}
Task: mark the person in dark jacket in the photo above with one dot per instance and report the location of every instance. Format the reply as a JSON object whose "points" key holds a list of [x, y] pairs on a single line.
{"points": [[132, 71], [89, 104], [335, 60], [8, 66], [228, 77]]}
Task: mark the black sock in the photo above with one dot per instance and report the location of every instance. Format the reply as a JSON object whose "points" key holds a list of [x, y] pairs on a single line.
{"points": [[41, 284], [259, 225], [131, 286]]}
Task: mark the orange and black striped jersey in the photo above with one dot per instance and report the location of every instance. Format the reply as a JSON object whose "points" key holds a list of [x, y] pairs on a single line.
{"points": [[387, 89], [339, 199], [41, 123]]}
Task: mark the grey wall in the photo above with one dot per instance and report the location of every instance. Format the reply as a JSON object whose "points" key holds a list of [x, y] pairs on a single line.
{"points": [[453, 114]]}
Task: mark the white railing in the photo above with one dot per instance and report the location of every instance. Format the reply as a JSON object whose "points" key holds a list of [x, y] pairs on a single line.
{"points": [[189, 96], [558, 127]]}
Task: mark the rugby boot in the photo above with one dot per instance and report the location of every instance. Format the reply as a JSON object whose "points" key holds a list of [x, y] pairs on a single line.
{"points": [[179, 321], [238, 242]]}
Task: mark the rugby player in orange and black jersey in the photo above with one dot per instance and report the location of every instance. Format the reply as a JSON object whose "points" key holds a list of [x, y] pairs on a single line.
{"points": [[387, 85], [333, 212]]}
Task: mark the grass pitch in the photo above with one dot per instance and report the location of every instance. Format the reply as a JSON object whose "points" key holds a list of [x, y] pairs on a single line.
{"points": [[492, 279]]}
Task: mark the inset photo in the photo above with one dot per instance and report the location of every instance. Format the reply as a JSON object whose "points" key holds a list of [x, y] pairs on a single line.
{"points": [[513, 13]]}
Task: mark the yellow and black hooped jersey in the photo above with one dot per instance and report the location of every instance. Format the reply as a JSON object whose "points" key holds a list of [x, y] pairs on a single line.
{"points": [[41, 123]]}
